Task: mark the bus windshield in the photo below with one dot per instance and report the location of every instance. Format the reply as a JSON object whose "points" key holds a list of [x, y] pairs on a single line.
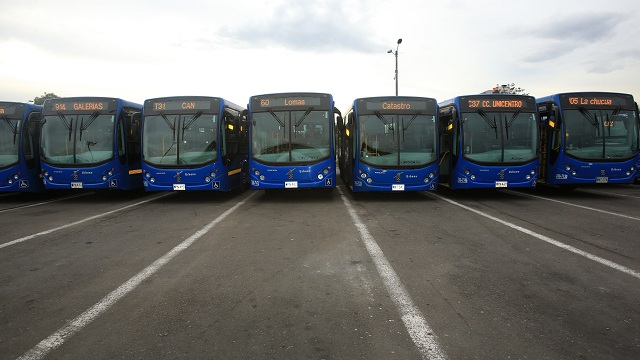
{"points": [[185, 139], [398, 139], [500, 137], [600, 134], [9, 141], [77, 139], [291, 136]]}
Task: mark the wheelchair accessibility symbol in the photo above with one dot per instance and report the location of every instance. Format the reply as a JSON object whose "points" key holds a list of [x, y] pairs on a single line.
{"points": [[328, 182], [216, 184], [24, 184], [113, 183]]}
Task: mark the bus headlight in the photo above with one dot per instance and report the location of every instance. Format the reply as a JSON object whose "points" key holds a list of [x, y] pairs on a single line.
{"points": [[213, 175], [533, 172], [467, 172], [15, 176], [207, 179], [567, 167], [147, 175], [50, 178], [574, 173], [320, 176], [528, 177], [426, 180], [472, 177], [256, 173], [46, 174], [10, 181], [109, 173], [363, 175], [104, 178], [325, 172], [369, 180], [262, 177], [432, 175], [152, 180], [629, 173]]}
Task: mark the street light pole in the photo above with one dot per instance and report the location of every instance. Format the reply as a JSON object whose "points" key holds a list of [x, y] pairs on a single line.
{"points": [[396, 54]]}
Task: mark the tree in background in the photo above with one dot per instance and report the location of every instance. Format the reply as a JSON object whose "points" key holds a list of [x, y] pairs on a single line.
{"points": [[506, 89], [39, 100]]}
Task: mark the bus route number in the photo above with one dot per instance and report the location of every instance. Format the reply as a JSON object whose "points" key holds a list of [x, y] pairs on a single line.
{"points": [[479, 103]]}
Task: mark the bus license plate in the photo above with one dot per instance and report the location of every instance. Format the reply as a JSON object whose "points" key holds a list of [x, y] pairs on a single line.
{"points": [[76, 185], [501, 184], [179, 187], [290, 184], [397, 187], [602, 180]]}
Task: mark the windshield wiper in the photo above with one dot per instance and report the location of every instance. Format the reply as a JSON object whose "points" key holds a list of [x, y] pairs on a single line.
{"points": [[14, 129], [193, 119], [306, 113], [404, 128], [491, 123], [90, 120], [593, 119], [275, 116], [610, 121], [67, 124], [508, 124], [172, 127]]}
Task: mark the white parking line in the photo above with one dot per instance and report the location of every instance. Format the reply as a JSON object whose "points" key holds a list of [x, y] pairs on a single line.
{"points": [[575, 205], [44, 202], [549, 240], [415, 323], [59, 337], [16, 241]]}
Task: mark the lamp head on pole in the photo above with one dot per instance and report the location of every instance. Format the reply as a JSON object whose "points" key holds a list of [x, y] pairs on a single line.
{"points": [[399, 41]]}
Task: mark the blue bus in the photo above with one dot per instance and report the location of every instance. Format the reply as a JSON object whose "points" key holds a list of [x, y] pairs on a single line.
{"points": [[489, 141], [19, 153], [389, 144], [588, 138], [194, 143], [91, 143], [291, 141]]}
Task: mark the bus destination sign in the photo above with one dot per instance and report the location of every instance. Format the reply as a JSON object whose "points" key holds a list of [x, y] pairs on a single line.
{"points": [[80, 105], [496, 103], [11, 109], [288, 101], [596, 101], [400, 105], [170, 105]]}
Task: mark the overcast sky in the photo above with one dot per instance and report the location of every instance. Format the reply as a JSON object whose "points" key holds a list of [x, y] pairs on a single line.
{"points": [[140, 49]]}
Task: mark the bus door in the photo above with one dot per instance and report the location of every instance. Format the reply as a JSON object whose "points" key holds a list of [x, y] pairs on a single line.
{"points": [[550, 139], [350, 143], [234, 142], [447, 127]]}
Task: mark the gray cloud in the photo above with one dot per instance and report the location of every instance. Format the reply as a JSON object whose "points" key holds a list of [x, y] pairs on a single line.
{"points": [[303, 25], [596, 37]]}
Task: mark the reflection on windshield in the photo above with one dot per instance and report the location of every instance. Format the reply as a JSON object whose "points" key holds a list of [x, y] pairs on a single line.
{"points": [[77, 139], [180, 139], [500, 137], [9, 141], [397, 140], [600, 134], [291, 136]]}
